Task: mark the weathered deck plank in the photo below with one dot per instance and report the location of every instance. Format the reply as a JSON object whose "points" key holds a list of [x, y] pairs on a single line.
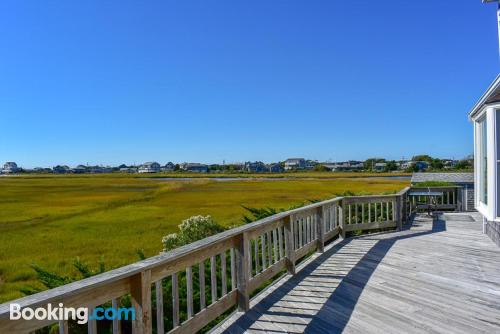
{"points": [[440, 276]]}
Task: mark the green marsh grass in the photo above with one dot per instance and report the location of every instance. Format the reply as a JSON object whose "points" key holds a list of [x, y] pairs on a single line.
{"points": [[51, 220]]}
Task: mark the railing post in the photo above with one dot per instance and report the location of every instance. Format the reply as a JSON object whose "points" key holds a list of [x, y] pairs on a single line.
{"points": [[398, 215], [403, 208], [341, 219], [243, 271], [141, 302], [289, 247], [320, 228]]}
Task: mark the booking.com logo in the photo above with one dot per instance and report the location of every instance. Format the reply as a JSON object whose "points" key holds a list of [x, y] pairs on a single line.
{"points": [[81, 314]]}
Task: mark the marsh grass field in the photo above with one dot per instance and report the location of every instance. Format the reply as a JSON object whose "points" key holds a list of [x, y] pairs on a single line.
{"points": [[52, 220]]}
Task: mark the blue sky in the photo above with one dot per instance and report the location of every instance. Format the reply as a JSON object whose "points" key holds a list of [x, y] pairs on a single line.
{"points": [[106, 82]]}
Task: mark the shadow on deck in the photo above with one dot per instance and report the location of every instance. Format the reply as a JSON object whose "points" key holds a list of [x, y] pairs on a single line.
{"points": [[436, 276]]}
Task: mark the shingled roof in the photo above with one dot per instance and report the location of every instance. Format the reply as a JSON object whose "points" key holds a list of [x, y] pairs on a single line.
{"points": [[443, 177]]}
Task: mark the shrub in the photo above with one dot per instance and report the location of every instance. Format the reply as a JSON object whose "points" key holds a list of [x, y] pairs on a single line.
{"points": [[192, 229]]}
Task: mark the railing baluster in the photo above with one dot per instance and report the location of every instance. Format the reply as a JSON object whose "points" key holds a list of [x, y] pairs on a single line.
{"points": [[275, 244], [201, 277], [189, 291], [223, 273], [289, 244], [295, 234], [269, 248], [63, 327], [369, 213], [335, 216], [256, 256], [320, 228], [213, 279], [159, 310], [312, 227], [375, 209], [350, 213], [362, 213], [314, 223], [394, 213], [306, 230], [92, 324], [299, 225], [233, 270], [175, 300], [263, 251], [387, 208], [341, 218], [280, 242]]}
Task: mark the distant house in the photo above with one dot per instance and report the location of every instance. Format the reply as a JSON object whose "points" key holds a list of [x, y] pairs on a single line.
{"points": [[61, 169], [99, 169], [420, 165], [255, 167], [42, 170], [10, 167], [449, 163], [329, 166], [405, 164], [464, 180], [194, 167], [295, 164], [346, 166], [380, 166], [128, 170], [149, 167], [311, 164], [80, 169], [169, 167], [275, 168]]}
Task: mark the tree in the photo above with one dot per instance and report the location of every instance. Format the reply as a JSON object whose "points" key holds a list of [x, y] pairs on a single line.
{"points": [[412, 168], [436, 164], [370, 163], [423, 157], [321, 168], [464, 164], [391, 165]]}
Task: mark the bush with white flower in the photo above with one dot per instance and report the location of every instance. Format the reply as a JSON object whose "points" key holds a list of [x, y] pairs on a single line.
{"points": [[192, 229]]}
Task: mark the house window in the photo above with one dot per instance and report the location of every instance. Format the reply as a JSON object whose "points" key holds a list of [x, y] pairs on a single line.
{"points": [[497, 151], [483, 160]]}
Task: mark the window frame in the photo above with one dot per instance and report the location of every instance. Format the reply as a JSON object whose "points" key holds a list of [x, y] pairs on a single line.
{"points": [[490, 114]]}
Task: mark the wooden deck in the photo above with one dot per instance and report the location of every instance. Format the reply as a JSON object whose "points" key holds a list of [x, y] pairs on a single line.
{"points": [[440, 276]]}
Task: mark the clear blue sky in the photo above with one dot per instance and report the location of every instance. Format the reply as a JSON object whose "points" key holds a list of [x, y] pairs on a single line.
{"points": [[107, 82]]}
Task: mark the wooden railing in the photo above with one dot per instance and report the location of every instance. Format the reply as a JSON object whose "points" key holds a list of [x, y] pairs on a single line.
{"points": [[216, 274], [450, 198]]}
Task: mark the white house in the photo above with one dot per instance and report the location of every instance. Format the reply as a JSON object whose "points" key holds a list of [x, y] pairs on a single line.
{"points": [[10, 167], [169, 167], [149, 167], [295, 163], [485, 116]]}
